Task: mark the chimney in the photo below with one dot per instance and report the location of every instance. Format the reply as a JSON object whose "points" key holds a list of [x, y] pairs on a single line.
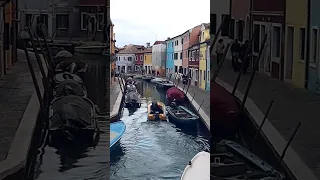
{"points": [[148, 45]]}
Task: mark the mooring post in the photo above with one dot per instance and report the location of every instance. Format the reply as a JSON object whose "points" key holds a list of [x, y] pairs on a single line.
{"points": [[289, 142], [261, 125], [193, 96], [200, 105]]}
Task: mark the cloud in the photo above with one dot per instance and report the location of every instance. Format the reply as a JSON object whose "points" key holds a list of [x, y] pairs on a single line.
{"points": [[141, 21]]}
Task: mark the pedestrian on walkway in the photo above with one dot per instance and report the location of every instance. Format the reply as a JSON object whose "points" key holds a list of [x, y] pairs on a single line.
{"points": [[235, 50], [219, 50], [158, 73], [245, 57]]}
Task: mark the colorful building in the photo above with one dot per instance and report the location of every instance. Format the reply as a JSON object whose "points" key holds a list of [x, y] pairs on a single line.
{"points": [[240, 20], [138, 62], [204, 37], [177, 55], [208, 65], [185, 52], [194, 48], [169, 60], [159, 57], [295, 42], [314, 62], [147, 63]]}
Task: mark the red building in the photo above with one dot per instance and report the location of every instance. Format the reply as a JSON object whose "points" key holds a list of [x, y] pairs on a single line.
{"points": [[268, 18], [194, 51], [138, 63]]}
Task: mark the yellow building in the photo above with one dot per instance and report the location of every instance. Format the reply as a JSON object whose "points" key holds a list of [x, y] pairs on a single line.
{"points": [[295, 42], [204, 37], [147, 61]]}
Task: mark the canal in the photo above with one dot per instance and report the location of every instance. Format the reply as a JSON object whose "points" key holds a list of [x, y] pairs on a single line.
{"points": [[75, 162], [154, 150]]}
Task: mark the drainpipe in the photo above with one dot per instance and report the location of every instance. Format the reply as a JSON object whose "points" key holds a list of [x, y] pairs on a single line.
{"points": [[308, 46]]}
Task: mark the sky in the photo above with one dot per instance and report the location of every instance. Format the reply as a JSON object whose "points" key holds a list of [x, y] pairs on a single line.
{"points": [[141, 21]]}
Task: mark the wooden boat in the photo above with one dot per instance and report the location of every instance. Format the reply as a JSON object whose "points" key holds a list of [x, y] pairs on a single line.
{"points": [[117, 130], [90, 49], [131, 88], [72, 66], [176, 94], [224, 109], [147, 78], [72, 119], [232, 161], [181, 114], [68, 87], [165, 85], [198, 168], [60, 77], [155, 80], [157, 116]]}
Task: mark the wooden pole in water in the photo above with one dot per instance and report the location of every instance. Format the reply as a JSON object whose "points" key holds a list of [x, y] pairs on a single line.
{"points": [[33, 75], [200, 105], [215, 74], [289, 142], [261, 125], [253, 72], [244, 62]]}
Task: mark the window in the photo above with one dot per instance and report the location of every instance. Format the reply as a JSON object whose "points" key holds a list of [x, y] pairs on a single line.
{"points": [[129, 58], [232, 21], [100, 22], [208, 79], [175, 68], [225, 19], [136, 58], [204, 75], [202, 36], [192, 55], [141, 58], [213, 23], [62, 21], [240, 26], [175, 56], [172, 56], [172, 44], [177, 42], [302, 43], [44, 19], [84, 21], [256, 42], [197, 55], [314, 45], [28, 19], [276, 41], [129, 68], [181, 55], [182, 41]]}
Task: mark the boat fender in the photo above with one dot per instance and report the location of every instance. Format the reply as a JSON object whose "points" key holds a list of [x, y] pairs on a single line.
{"points": [[190, 163]]}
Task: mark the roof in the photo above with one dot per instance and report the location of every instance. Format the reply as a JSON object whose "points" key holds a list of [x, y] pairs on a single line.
{"points": [[131, 48], [206, 25], [147, 50], [92, 3], [159, 42]]}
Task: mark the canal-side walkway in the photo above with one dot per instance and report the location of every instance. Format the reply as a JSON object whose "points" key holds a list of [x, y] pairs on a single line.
{"points": [[290, 106], [19, 109], [115, 98]]}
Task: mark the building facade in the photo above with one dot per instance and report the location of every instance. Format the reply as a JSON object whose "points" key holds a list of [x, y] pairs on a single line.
{"points": [[126, 58], [169, 60], [159, 57], [177, 55], [314, 62], [138, 62], [194, 48], [204, 37], [147, 60], [185, 52], [208, 66]]}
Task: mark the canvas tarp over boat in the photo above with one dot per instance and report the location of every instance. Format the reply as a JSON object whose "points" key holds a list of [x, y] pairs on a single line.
{"points": [[175, 93], [132, 96], [72, 111], [70, 87]]}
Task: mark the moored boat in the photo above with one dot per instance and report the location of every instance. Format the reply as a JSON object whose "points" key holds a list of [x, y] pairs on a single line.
{"points": [[165, 85], [158, 115], [181, 114], [198, 168], [72, 119], [60, 77], [175, 94], [117, 130], [132, 99], [232, 161], [69, 87], [155, 80], [72, 66], [147, 78], [224, 109]]}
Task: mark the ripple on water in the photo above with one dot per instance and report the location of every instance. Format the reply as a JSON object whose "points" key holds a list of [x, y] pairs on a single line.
{"points": [[153, 150]]}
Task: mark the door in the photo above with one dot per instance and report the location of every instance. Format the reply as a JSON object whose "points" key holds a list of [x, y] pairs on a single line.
{"points": [[200, 80], [289, 59], [263, 57]]}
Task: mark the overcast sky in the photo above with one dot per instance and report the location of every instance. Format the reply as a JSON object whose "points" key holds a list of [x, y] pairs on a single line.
{"points": [[142, 21]]}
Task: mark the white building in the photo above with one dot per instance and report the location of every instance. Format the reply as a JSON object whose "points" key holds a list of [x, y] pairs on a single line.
{"points": [[177, 55], [159, 55], [125, 59]]}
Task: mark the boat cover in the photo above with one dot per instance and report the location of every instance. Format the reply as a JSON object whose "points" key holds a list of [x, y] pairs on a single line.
{"points": [[66, 65], [71, 111], [175, 93], [132, 96], [68, 87], [64, 53], [224, 106], [58, 78]]}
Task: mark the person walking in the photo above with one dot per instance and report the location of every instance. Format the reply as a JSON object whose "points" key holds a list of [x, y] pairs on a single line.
{"points": [[219, 50], [235, 50], [245, 57]]}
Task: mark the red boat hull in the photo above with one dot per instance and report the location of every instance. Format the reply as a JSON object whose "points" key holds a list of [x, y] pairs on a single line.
{"points": [[175, 93], [224, 109]]}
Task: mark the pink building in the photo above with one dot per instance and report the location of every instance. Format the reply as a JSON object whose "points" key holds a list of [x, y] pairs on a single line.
{"points": [[185, 52]]}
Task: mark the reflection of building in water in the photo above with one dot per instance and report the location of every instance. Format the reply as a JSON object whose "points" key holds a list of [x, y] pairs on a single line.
{"points": [[140, 88], [147, 91], [96, 80]]}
